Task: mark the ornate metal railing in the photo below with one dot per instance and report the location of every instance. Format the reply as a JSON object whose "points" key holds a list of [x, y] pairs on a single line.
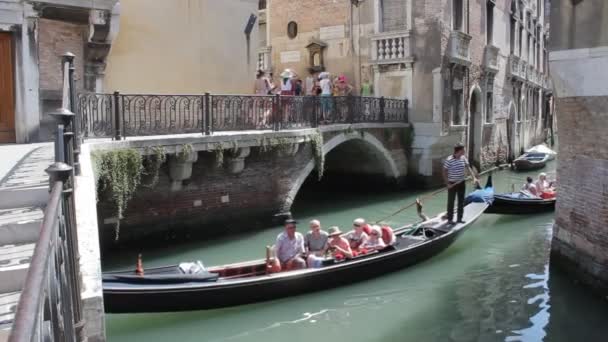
{"points": [[50, 307], [123, 115]]}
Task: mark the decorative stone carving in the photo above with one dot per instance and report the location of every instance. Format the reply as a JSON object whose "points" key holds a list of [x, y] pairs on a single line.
{"points": [[236, 161]]}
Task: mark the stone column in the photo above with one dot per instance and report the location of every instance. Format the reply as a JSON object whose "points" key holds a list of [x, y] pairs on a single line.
{"points": [[236, 161]]}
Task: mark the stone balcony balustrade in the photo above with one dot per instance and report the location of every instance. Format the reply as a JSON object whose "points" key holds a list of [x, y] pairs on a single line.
{"points": [[490, 59], [458, 48], [391, 47], [514, 69], [264, 59]]}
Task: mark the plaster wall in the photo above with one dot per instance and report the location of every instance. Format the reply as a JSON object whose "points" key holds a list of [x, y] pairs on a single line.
{"points": [[183, 46]]}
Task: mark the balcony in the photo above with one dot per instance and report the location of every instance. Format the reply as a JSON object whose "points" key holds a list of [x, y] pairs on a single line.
{"points": [[391, 47], [458, 48], [490, 59], [514, 68]]}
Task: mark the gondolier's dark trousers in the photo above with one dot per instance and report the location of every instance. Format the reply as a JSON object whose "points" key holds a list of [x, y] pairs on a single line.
{"points": [[459, 190]]}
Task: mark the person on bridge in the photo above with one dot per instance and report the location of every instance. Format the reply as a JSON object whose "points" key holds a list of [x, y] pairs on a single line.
{"points": [[290, 247], [454, 168]]}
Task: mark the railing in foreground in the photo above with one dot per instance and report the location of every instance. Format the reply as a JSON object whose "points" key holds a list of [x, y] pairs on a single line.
{"points": [[50, 307], [122, 115]]}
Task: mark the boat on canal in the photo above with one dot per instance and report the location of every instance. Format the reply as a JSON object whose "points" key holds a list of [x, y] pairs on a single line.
{"points": [[531, 161], [518, 203], [169, 288]]}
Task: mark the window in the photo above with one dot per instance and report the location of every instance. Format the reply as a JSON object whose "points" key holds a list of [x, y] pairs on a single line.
{"points": [[262, 28], [457, 15], [457, 97], [489, 21], [512, 36], [292, 29], [520, 41], [262, 5], [393, 15], [490, 100]]}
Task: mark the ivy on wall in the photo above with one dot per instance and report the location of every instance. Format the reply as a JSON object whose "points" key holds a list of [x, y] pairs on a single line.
{"points": [[317, 149], [119, 172], [153, 162]]}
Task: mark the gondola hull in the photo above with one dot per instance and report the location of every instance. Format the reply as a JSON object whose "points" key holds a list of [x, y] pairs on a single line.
{"points": [[130, 298], [531, 161], [506, 204]]}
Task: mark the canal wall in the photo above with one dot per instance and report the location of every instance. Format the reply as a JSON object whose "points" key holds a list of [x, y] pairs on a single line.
{"points": [[579, 67], [239, 180]]}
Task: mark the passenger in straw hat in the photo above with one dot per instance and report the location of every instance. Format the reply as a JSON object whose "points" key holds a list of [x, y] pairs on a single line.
{"points": [[338, 245]]}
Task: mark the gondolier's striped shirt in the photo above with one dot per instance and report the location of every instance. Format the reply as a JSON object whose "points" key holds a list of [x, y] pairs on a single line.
{"points": [[455, 168]]}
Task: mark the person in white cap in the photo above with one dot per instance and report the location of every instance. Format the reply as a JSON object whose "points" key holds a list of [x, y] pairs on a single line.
{"points": [[357, 236]]}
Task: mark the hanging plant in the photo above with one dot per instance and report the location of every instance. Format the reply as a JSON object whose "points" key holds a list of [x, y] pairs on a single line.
{"points": [[282, 145], [317, 149], [219, 155], [185, 152], [152, 163], [119, 172]]}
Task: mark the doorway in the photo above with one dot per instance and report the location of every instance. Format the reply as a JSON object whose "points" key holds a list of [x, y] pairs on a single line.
{"points": [[475, 128], [511, 120], [7, 98]]}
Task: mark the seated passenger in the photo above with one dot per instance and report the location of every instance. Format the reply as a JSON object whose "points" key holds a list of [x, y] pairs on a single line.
{"points": [[315, 243], [357, 236], [530, 187], [375, 241], [338, 245], [290, 247], [542, 184]]}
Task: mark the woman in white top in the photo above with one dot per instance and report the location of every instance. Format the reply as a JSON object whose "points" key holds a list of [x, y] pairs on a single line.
{"points": [[326, 92], [374, 241], [542, 184]]}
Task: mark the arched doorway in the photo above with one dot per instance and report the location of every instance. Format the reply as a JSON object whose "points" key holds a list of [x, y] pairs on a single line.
{"points": [[511, 122], [474, 136]]}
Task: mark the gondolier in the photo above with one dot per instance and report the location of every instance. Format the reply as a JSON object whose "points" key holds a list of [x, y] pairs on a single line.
{"points": [[454, 177]]}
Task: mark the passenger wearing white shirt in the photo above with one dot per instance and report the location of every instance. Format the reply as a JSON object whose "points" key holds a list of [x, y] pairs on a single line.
{"points": [[290, 247]]}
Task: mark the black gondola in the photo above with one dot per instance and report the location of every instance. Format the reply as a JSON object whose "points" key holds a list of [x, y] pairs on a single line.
{"points": [[518, 204], [160, 289]]}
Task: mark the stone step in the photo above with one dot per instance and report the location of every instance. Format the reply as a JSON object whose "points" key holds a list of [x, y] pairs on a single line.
{"points": [[26, 184], [20, 225], [14, 263], [8, 307]]}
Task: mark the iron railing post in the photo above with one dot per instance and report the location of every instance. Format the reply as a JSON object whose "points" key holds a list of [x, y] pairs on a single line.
{"points": [[314, 101], [406, 116], [207, 120], [277, 113], [68, 58], [350, 108], [117, 122], [382, 104]]}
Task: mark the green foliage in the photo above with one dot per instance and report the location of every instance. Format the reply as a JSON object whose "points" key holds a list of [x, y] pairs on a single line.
{"points": [[119, 172], [219, 154], [185, 152], [152, 163], [317, 149]]}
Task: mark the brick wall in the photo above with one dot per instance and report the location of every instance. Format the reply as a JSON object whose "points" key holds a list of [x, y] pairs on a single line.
{"points": [[54, 39], [580, 241]]}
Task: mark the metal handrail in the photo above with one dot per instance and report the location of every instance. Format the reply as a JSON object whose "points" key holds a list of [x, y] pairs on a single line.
{"points": [[29, 310]]}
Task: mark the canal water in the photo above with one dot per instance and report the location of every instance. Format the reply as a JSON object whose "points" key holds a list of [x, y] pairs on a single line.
{"points": [[493, 284]]}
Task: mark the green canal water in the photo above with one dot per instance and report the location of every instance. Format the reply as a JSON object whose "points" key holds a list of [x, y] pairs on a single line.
{"points": [[493, 284]]}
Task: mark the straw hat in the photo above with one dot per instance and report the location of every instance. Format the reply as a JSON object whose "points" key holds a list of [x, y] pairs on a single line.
{"points": [[286, 74], [333, 231]]}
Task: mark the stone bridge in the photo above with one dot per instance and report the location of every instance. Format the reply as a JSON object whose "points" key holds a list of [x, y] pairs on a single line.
{"points": [[236, 179]]}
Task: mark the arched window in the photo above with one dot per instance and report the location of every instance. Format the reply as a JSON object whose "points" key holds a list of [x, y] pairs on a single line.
{"points": [[292, 29]]}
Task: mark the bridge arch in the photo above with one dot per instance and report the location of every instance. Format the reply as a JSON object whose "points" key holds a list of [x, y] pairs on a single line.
{"points": [[382, 154]]}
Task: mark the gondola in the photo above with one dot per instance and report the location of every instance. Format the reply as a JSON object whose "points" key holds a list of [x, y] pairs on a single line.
{"points": [[519, 204], [166, 289], [531, 161]]}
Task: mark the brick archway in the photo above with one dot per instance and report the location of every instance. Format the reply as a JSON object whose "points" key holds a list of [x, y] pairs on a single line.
{"points": [[388, 163]]}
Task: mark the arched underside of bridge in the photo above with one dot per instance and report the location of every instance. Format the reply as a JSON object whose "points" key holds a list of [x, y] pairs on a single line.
{"points": [[353, 156]]}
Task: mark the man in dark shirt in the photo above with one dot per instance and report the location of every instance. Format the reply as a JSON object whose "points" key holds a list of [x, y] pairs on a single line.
{"points": [[454, 177]]}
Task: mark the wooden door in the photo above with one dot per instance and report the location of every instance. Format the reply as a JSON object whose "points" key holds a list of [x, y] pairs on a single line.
{"points": [[7, 98]]}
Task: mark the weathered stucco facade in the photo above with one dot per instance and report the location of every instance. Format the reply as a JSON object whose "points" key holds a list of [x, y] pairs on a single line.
{"points": [[37, 34], [183, 46], [474, 71], [579, 65]]}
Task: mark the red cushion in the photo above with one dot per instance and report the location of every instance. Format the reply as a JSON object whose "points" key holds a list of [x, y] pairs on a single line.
{"points": [[387, 234], [367, 229]]}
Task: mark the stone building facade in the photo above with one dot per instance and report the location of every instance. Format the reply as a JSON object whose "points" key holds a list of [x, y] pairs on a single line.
{"points": [[33, 36], [474, 71], [579, 66]]}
